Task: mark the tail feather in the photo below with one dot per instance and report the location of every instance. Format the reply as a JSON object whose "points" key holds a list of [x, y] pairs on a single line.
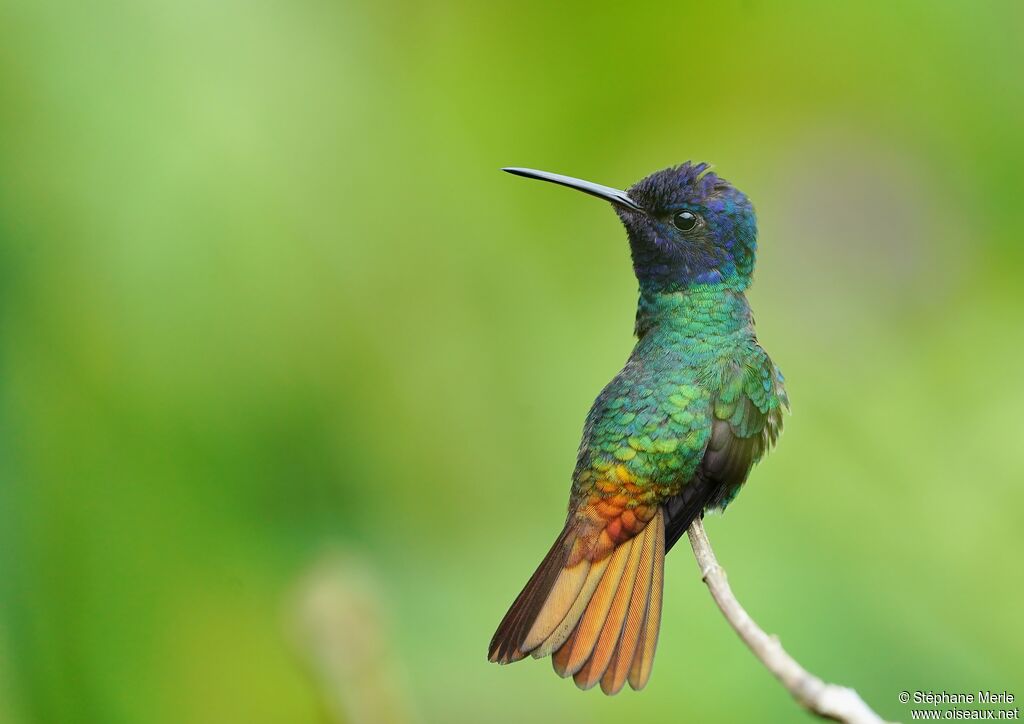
{"points": [[594, 588], [568, 623], [507, 643], [615, 676], [564, 592], [643, 659], [638, 655], [606, 640], [560, 658], [599, 619], [588, 627]]}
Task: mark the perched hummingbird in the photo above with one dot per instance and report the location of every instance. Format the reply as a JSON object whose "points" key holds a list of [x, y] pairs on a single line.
{"points": [[674, 434]]}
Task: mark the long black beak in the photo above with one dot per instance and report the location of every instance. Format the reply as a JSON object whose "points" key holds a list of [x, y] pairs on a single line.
{"points": [[602, 192]]}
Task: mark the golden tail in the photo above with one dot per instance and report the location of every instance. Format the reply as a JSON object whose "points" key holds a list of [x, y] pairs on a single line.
{"points": [[599, 618]]}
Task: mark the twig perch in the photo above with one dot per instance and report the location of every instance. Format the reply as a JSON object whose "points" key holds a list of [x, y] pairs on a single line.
{"points": [[828, 701]]}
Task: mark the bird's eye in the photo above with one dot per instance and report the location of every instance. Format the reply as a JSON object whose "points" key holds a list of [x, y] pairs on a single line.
{"points": [[685, 220]]}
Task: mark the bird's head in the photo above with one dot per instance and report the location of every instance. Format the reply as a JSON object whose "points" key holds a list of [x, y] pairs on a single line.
{"points": [[686, 226]]}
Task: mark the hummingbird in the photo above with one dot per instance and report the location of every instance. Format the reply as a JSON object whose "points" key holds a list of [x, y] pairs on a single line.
{"points": [[673, 435]]}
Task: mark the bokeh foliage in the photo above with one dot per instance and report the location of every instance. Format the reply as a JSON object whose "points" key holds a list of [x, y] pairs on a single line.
{"points": [[263, 293]]}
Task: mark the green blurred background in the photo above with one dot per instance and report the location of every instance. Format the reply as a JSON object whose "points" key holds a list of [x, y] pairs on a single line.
{"points": [[292, 378]]}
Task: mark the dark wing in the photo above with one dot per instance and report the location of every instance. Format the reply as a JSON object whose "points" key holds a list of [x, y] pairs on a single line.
{"points": [[746, 421]]}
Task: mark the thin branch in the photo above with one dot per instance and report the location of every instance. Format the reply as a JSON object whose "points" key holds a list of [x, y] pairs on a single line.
{"points": [[828, 701]]}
